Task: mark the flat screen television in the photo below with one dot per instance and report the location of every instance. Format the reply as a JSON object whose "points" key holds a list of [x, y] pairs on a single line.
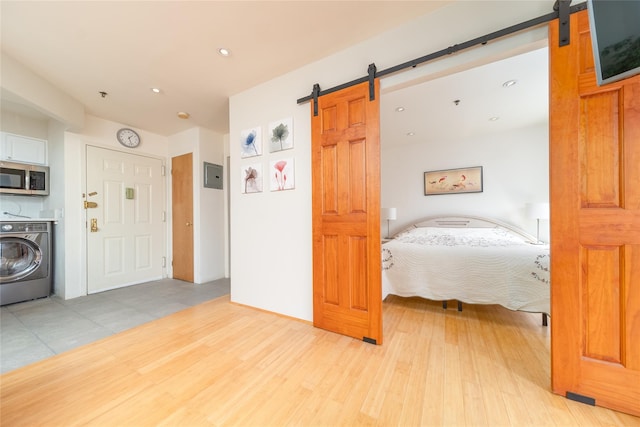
{"points": [[615, 36]]}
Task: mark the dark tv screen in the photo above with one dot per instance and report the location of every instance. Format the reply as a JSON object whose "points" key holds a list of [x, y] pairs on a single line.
{"points": [[615, 36]]}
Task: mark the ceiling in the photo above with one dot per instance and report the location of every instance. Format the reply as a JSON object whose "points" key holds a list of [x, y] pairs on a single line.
{"points": [[125, 48], [469, 103]]}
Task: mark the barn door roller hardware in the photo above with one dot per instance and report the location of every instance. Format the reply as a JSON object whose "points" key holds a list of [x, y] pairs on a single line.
{"points": [[369, 340], [562, 11], [372, 77], [315, 93], [580, 398], [563, 7]]}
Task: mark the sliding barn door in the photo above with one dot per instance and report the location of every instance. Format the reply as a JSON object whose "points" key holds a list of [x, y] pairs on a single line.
{"points": [[347, 293], [595, 228]]}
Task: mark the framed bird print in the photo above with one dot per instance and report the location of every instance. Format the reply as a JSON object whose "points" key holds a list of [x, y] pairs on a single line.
{"points": [[453, 181]]}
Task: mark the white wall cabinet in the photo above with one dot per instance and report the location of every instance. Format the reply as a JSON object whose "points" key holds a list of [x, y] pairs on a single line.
{"points": [[18, 148]]}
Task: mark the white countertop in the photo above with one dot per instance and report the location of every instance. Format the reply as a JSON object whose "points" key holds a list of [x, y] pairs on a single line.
{"points": [[7, 219]]}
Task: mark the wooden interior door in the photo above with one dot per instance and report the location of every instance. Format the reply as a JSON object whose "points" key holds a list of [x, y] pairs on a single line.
{"points": [[347, 290], [595, 228], [182, 214]]}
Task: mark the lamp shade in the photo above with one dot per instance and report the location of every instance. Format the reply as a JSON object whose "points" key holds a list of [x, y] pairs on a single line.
{"points": [[537, 210], [390, 214]]}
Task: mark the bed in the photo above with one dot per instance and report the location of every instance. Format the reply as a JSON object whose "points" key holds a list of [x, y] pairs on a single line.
{"points": [[469, 259]]}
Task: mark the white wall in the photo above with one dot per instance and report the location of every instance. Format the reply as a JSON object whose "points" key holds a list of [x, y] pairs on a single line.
{"points": [[37, 206], [67, 153], [19, 124], [271, 231], [515, 172], [208, 204], [271, 257], [67, 164], [22, 83], [62, 112], [212, 210], [54, 203], [227, 208], [101, 133]]}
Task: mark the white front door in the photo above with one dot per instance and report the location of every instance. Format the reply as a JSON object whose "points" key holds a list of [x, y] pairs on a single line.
{"points": [[127, 244]]}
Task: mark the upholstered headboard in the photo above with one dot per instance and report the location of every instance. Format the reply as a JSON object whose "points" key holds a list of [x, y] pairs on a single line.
{"points": [[464, 221]]}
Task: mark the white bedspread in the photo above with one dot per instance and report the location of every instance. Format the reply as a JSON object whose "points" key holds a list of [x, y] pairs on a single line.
{"points": [[477, 265]]}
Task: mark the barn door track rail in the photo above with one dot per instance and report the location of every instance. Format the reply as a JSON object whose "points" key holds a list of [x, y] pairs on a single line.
{"points": [[562, 10]]}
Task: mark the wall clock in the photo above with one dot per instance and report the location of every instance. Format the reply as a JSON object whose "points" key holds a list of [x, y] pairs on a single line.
{"points": [[128, 137]]}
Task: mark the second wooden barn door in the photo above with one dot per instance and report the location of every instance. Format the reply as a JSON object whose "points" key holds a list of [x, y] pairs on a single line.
{"points": [[595, 228]]}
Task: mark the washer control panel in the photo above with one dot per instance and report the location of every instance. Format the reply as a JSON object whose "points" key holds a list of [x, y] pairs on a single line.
{"points": [[17, 227]]}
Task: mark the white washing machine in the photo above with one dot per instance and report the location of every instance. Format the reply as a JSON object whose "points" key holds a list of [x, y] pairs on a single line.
{"points": [[25, 261]]}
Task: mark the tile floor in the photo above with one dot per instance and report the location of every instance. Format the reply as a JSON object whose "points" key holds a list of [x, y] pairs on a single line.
{"points": [[37, 329]]}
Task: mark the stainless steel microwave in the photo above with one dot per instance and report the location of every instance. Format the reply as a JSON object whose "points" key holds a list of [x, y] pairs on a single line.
{"points": [[23, 178]]}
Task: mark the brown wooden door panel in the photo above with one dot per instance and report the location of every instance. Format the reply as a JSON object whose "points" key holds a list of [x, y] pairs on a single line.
{"points": [[329, 169], [601, 149], [346, 214], [595, 227], [631, 298], [345, 281], [356, 168], [182, 213]]}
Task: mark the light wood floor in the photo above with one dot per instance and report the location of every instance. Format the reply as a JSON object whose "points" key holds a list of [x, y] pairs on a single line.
{"points": [[223, 364]]}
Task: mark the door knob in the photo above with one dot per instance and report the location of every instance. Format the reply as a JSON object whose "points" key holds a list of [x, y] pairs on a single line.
{"points": [[188, 224]]}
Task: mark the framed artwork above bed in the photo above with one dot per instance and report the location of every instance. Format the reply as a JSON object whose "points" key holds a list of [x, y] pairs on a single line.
{"points": [[453, 181]]}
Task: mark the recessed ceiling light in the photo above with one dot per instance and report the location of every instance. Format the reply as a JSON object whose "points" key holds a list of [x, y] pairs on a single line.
{"points": [[509, 83], [183, 115], [224, 51], [155, 90], [410, 133], [400, 109], [494, 118]]}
